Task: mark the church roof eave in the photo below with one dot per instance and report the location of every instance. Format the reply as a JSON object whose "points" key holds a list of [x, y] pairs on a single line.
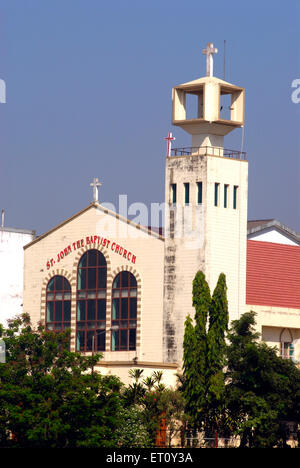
{"points": [[106, 211]]}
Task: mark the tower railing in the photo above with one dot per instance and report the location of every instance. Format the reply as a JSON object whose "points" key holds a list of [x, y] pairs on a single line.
{"points": [[209, 151]]}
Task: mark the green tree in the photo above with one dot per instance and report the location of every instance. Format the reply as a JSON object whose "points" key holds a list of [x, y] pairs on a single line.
{"points": [[218, 326], [204, 353], [195, 350], [216, 353], [134, 393], [48, 395], [172, 406], [263, 390], [154, 403]]}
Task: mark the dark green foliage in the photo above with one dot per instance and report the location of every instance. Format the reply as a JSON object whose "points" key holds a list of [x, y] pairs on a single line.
{"points": [[263, 389], [52, 398], [218, 324], [49, 397], [193, 380], [204, 353], [198, 367], [216, 346], [134, 393], [154, 403], [244, 388], [201, 301]]}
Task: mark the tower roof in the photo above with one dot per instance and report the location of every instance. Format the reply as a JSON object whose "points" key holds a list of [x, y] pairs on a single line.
{"points": [[220, 106]]}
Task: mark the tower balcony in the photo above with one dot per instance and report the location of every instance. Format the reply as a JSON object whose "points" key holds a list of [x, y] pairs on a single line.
{"points": [[209, 151]]}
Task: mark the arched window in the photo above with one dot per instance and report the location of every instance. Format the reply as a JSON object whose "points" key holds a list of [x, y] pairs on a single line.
{"points": [[58, 304], [91, 301], [124, 312]]}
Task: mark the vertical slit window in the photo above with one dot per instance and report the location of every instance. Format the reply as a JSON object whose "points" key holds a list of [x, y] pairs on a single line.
{"points": [[235, 197], [199, 193], [174, 193], [226, 190], [124, 312], [91, 302], [186, 193], [217, 187]]}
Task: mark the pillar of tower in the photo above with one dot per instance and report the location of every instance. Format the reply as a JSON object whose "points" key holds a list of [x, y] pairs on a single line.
{"points": [[207, 139]]}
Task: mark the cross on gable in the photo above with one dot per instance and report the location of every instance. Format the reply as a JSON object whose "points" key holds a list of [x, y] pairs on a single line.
{"points": [[95, 184], [209, 51], [169, 139]]}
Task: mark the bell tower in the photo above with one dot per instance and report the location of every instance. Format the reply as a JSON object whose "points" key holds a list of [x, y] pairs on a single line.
{"points": [[206, 194]]}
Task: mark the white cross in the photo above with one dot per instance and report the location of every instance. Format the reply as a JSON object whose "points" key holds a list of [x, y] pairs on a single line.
{"points": [[95, 184], [169, 138], [209, 51]]}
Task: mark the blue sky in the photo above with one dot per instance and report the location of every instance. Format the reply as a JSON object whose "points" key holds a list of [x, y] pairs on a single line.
{"points": [[89, 95]]}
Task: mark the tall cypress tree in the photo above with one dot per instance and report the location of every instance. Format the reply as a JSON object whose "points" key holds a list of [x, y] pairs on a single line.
{"points": [[204, 349], [190, 381], [195, 351], [201, 303], [216, 346]]}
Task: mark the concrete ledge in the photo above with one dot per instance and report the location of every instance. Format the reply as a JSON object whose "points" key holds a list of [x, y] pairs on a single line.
{"points": [[160, 365]]}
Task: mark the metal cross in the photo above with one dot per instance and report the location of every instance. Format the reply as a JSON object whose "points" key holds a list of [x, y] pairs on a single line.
{"points": [[169, 138], [95, 184], [209, 51]]}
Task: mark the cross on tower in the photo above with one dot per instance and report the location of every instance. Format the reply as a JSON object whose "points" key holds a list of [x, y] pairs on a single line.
{"points": [[169, 138], [95, 184], [209, 51]]}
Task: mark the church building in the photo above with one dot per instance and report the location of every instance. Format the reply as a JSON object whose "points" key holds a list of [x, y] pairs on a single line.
{"points": [[125, 289]]}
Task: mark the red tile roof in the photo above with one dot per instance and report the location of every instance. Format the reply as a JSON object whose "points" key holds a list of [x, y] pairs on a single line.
{"points": [[273, 274]]}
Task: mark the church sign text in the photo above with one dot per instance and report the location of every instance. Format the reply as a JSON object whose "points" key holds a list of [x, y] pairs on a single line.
{"points": [[91, 240]]}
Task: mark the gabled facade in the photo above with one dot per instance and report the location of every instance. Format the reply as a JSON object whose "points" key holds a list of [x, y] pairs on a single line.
{"points": [[108, 286]]}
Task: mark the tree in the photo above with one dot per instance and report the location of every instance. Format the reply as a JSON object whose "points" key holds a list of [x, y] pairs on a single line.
{"points": [[49, 397], [134, 393], [263, 390], [216, 353], [155, 404], [195, 350], [172, 405], [204, 353]]}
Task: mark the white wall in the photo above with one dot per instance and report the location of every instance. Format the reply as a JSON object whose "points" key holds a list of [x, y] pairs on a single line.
{"points": [[11, 272]]}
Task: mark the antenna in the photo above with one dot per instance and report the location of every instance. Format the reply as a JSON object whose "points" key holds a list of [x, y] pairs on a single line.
{"points": [[224, 72]]}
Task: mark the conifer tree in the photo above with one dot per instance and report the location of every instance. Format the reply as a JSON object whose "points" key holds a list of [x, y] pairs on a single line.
{"points": [[216, 346], [201, 303], [204, 351], [191, 383]]}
